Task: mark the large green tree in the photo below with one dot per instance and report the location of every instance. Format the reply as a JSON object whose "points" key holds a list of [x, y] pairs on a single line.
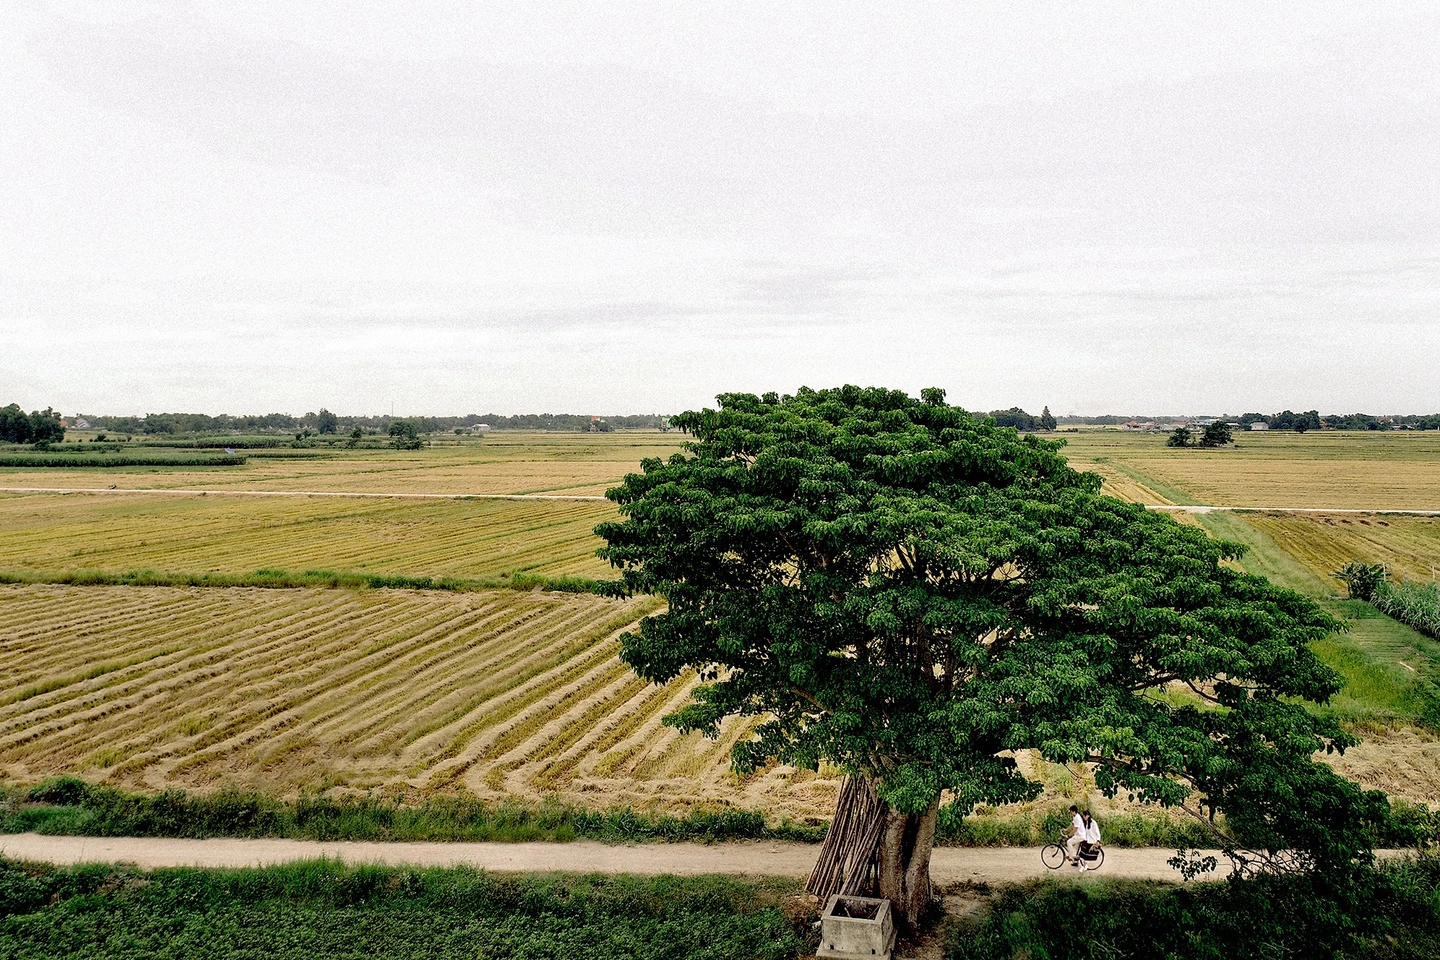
{"points": [[914, 594]]}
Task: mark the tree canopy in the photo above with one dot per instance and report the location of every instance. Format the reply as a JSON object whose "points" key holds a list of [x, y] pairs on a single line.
{"points": [[914, 593]]}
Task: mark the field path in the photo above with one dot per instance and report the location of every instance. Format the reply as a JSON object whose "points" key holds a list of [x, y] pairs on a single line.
{"points": [[1181, 508], [949, 864]]}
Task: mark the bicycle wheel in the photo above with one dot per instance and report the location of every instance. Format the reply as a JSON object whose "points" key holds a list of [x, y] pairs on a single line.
{"points": [[1099, 859], [1052, 855]]}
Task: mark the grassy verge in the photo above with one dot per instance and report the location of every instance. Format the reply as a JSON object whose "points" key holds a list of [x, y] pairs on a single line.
{"points": [[322, 909], [71, 806], [66, 460], [284, 579], [1388, 913], [1391, 672]]}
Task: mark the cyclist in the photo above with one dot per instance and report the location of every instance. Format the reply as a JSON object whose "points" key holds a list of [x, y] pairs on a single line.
{"points": [[1072, 836]]}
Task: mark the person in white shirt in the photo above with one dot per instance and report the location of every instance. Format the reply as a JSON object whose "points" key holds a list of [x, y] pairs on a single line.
{"points": [[1086, 838], [1073, 834]]}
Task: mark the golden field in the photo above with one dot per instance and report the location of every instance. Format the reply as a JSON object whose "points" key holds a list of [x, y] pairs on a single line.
{"points": [[1390, 470], [498, 693], [193, 534], [508, 463]]}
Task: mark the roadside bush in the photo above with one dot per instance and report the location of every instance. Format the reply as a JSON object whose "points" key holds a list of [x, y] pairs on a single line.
{"points": [[1390, 913], [323, 909]]}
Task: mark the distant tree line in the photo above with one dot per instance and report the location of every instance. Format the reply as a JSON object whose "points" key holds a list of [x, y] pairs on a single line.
{"points": [[1022, 421], [38, 426], [1286, 420], [324, 423]]}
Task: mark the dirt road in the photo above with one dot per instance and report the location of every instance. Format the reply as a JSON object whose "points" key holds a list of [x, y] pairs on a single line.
{"points": [[949, 865]]}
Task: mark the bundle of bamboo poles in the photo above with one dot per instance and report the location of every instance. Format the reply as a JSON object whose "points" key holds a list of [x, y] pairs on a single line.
{"points": [[848, 858]]}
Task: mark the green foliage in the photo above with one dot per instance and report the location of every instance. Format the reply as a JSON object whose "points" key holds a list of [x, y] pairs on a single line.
{"points": [[1392, 912], [910, 593], [1179, 437], [1361, 579], [1216, 434], [71, 806], [323, 909], [283, 579], [326, 422], [1047, 421], [84, 458], [405, 435], [40, 427], [1415, 604]]}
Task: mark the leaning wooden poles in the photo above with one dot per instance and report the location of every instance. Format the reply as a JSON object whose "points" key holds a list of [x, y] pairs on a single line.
{"points": [[873, 850]]}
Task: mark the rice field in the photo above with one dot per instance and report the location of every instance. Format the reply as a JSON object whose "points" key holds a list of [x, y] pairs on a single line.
{"points": [[1409, 547], [496, 693], [1346, 470], [192, 534], [508, 463]]}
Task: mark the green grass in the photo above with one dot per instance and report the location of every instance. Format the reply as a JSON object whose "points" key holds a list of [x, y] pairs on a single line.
{"points": [[1391, 672], [284, 579], [67, 460], [322, 909]]}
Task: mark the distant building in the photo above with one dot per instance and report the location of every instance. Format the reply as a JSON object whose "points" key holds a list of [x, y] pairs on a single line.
{"points": [[81, 424], [480, 428], [1259, 425]]}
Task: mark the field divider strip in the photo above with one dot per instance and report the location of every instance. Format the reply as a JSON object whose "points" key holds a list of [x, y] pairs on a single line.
{"points": [[307, 493]]}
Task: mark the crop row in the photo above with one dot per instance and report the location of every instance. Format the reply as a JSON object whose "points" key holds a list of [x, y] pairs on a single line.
{"points": [[499, 693]]}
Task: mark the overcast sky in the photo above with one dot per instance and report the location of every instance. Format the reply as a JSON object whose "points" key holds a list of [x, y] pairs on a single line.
{"points": [[615, 207]]}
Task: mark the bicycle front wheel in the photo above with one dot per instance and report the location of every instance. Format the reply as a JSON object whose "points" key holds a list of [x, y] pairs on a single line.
{"points": [[1053, 856]]}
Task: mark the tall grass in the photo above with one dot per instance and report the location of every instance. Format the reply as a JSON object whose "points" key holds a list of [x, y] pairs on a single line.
{"points": [[70, 806], [1415, 604]]}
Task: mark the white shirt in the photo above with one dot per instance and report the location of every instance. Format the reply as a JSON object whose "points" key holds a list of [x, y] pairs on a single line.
{"points": [[1090, 834], [1078, 825]]}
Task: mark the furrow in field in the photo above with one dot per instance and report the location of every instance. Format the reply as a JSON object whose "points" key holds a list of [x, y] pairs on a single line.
{"points": [[483, 665]]}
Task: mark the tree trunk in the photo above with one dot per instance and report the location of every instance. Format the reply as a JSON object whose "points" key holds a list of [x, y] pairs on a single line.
{"points": [[872, 850], [904, 864]]}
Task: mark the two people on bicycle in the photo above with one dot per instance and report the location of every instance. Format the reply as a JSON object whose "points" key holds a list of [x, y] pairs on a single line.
{"points": [[1082, 837]]}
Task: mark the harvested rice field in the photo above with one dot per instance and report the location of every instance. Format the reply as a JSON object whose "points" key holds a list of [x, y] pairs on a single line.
{"points": [[1344, 470], [1409, 547], [497, 693], [193, 534]]}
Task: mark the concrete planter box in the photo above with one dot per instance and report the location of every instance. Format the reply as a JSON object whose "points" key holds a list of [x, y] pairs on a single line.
{"points": [[856, 928]]}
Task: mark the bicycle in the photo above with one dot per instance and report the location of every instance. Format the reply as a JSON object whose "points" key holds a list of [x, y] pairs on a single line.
{"points": [[1053, 855]]}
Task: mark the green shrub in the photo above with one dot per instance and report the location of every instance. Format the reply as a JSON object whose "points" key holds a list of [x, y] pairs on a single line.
{"points": [[1392, 912], [323, 909], [1361, 579]]}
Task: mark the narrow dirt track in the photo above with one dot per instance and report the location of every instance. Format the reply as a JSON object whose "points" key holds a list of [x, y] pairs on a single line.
{"points": [[949, 865]]}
